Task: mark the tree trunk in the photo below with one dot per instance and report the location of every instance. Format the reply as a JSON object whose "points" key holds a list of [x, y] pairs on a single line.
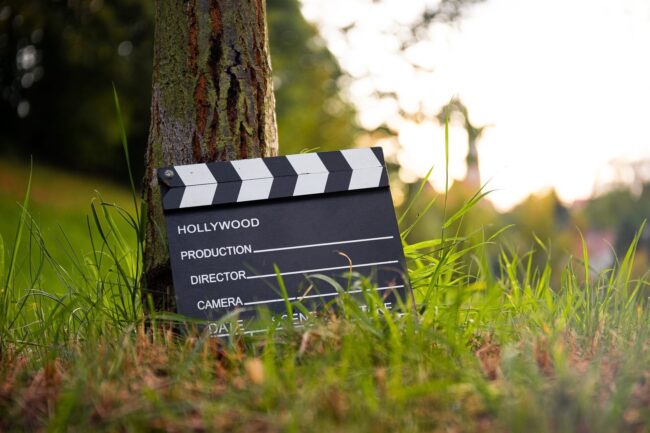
{"points": [[212, 100]]}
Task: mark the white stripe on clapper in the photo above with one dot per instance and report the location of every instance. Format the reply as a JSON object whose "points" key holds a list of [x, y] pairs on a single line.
{"points": [[366, 168], [312, 173], [195, 174], [198, 195], [256, 179], [200, 185]]}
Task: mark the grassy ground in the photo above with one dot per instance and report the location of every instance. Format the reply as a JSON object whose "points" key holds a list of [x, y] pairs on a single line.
{"points": [[60, 209], [486, 350]]}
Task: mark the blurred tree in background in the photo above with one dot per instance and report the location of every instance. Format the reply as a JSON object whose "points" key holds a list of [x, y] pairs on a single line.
{"points": [[58, 60], [622, 212], [310, 110]]}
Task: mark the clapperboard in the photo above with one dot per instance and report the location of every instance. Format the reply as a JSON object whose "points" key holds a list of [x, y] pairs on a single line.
{"points": [[235, 227]]}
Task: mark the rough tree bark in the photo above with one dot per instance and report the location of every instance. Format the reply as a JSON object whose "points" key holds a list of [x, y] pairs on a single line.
{"points": [[212, 100]]}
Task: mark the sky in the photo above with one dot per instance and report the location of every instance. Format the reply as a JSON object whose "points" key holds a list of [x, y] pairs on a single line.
{"points": [[564, 86]]}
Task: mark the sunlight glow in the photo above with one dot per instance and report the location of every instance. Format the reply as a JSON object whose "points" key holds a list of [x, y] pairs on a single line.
{"points": [[564, 84]]}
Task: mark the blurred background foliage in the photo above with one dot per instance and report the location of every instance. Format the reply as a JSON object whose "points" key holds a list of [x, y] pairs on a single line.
{"points": [[59, 58], [58, 61]]}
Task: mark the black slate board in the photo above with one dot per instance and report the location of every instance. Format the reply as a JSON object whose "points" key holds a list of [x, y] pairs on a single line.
{"points": [[224, 256]]}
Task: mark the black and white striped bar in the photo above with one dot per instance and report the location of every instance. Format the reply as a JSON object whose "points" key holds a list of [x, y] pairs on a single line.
{"points": [[195, 185]]}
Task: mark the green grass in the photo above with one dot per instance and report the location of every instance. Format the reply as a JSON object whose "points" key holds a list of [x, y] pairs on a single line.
{"points": [[66, 258], [484, 350], [59, 206], [478, 350]]}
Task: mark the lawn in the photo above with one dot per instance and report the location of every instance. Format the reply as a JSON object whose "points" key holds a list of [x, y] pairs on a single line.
{"points": [[59, 212], [482, 349]]}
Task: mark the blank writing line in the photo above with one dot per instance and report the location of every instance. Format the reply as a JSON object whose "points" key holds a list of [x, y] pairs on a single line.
{"points": [[255, 331], [323, 269], [353, 241], [323, 295]]}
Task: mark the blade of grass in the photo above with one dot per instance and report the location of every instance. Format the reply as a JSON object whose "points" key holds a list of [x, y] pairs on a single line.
{"points": [[125, 146], [19, 231], [469, 205], [415, 196], [585, 257], [283, 291], [444, 209], [2, 258]]}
